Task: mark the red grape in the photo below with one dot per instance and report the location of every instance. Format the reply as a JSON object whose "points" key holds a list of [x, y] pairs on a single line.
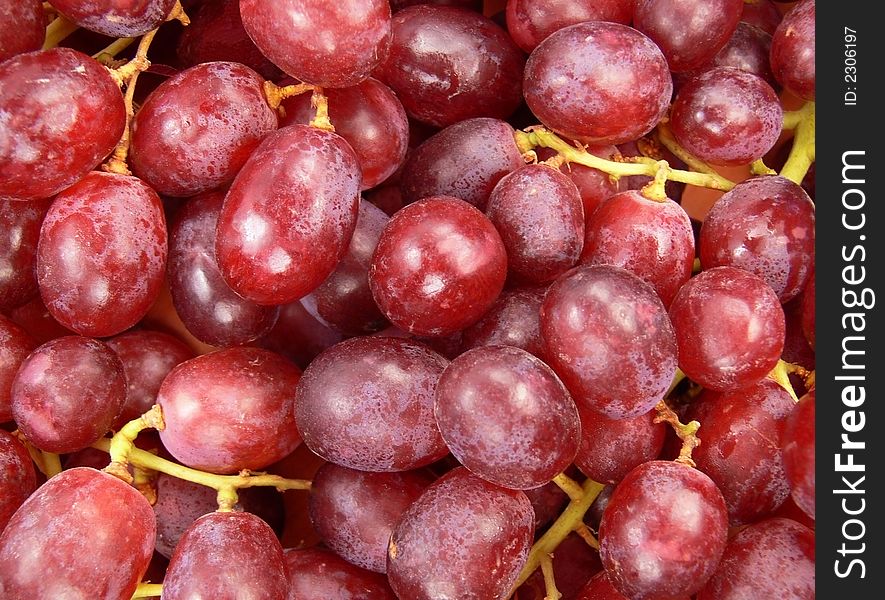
{"points": [[147, 357], [67, 393], [230, 410], [663, 531], [227, 555], [570, 87], [770, 559], [727, 116], [543, 238], [317, 574], [18, 248], [610, 448], [116, 18], [529, 22], [574, 563], [463, 538], [438, 267], [22, 27], [730, 328], [496, 407], [331, 44], [449, 64], [298, 335], [740, 442], [198, 128], [808, 304], [792, 50], [601, 588], [367, 404], [15, 346], [797, 447], [209, 309], [372, 120], [18, 480], [34, 318], [547, 502], [355, 511], [465, 161], [513, 320], [748, 49], [289, 215], [101, 256], [689, 32], [344, 299], [653, 240], [398, 5], [765, 225], [762, 14], [595, 186], [82, 534], [608, 337], [61, 114]]}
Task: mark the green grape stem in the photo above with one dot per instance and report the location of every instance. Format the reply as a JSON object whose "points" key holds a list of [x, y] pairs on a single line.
{"points": [[148, 590], [802, 153]]}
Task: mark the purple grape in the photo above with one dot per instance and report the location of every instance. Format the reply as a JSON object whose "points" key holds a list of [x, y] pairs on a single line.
{"points": [[529, 22], [18, 480], [317, 574], [116, 18], [797, 449], [792, 51]]}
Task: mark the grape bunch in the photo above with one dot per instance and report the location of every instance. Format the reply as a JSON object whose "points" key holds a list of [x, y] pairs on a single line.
{"points": [[416, 300]]}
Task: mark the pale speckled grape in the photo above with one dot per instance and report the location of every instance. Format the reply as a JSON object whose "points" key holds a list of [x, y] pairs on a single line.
{"points": [[18, 479], [792, 50], [355, 511], [367, 404], [102, 252], [530, 21], [483, 530], [230, 410], [316, 573], [289, 215], [598, 82], [496, 407], [15, 346], [70, 526], [60, 115], [18, 248], [663, 531], [116, 18], [22, 27], [513, 320], [797, 450], [197, 129]]}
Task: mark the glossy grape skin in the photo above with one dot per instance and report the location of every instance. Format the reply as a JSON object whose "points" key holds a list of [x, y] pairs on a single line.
{"points": [[762, 14], [496, 407], [317, 574], [15, 346], [101, 255], [398, 5], [808, 303], [438, 267], [216, 33], [68, 539], [22, 27], [792, 50], [227, 555], [465, 160], [355, 511], [463, 538], [116, 18], [387, 197], [367, 404], [653, 240], [289, 215], [62, 114], [610, 448], [740, 446], [180, 503], [210, 310], [330, 44], [34, 318], [608, 337], [18, 480], [18, 247], [663, 531], [230, 410], [544, 238], [344, 299], [730, 328], [601, 588], [298, 335], [197, 129], [595, 186], [530, 21], [547, 502], [748, 49], [764, 225], [726, 116], [449, 64], [689, 33], [568, 83], [797, 449], [770, 559], [372, 120], [67, 393], [147, 357], [513, 320]]}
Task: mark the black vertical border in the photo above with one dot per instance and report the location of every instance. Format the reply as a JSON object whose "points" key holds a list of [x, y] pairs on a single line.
{"points": [[841, 128]]}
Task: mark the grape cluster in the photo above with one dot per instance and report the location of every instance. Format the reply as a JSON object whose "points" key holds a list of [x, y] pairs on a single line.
{"points": [[440, 272]]}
